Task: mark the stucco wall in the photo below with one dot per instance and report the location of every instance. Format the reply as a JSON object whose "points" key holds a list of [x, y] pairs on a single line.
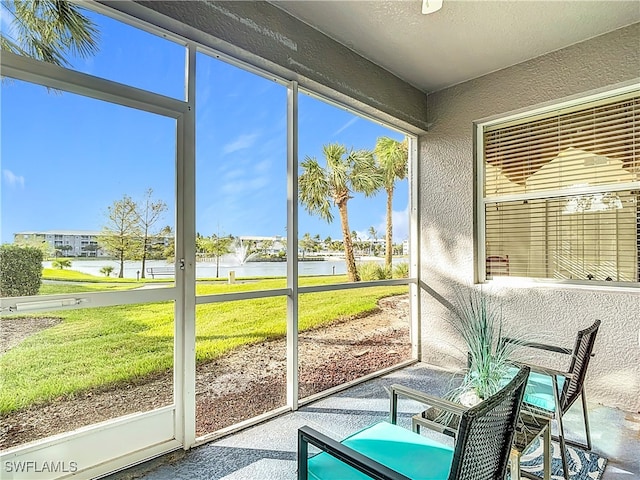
{"points": [[447, 218]]}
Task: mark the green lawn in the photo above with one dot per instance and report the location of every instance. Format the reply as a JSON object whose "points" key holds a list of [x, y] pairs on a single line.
{"points": [[96, 347], [75, 276]]}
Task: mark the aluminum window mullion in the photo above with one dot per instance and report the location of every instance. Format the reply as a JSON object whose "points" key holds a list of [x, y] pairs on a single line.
{"points": [[481, 207], [53, 76], [415, 274], [292, 245], [95, 299], [184, 324]]}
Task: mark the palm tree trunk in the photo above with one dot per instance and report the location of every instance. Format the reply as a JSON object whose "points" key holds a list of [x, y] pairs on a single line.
{"points": [[389, 237], [352, 272]]}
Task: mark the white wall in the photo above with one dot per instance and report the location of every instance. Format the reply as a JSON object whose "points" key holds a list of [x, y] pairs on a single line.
{"points": [[447, 216]]}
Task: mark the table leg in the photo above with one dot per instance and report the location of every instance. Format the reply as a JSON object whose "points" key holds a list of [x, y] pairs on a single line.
{"points": [[514, 460]]}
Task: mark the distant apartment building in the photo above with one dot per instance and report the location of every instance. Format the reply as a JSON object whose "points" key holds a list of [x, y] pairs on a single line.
{"points": [[70, 243]]}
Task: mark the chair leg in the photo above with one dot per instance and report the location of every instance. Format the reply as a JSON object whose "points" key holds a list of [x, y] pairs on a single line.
{"points": [[563, 447], [585, 414], [303, 454], [558, 413], [546, 439], [587, 429]]}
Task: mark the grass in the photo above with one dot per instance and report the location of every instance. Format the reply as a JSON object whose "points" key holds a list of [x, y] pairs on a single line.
{"points": [[102, 347], [75, 276]]}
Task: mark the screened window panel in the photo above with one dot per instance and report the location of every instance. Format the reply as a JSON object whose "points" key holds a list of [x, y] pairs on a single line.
{"points": [[575, 217]]}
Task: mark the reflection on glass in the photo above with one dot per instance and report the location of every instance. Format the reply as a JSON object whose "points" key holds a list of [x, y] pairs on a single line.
{"points": [[66, 369], [241, 361], [347, 334], [95, 197]]}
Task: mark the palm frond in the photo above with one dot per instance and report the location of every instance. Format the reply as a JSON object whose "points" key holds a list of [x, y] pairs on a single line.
{"points": [[49, 30], [392, 159], [365, 176], [314, 190]]}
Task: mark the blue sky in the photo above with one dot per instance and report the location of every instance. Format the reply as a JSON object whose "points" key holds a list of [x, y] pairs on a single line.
{"points": [[65, 158]]}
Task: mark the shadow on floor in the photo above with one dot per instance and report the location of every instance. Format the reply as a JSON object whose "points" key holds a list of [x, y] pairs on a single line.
{"points": [[268, 451]]}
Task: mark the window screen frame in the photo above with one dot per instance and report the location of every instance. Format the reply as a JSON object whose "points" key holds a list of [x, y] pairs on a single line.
{"points": [[481, 200]]}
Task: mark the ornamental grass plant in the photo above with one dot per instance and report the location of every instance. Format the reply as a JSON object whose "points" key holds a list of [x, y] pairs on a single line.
{"points": [[480, 324]]}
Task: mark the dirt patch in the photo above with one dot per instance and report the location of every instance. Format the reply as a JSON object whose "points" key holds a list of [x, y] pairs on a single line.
{"points": [[15, 330], [249, 381]]}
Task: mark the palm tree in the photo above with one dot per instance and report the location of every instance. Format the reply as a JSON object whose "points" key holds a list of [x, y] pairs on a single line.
{"points": [[48, 30], [215, 245], [373, 235], [346, 172], [392, 159]]}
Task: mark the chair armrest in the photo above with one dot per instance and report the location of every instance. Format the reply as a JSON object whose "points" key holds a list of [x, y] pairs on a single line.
{"points": [[544, 370], [362, 463], [418, 420], [441, 403], [540, 346]]}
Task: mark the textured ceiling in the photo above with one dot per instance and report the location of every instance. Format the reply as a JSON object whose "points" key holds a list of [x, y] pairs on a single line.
{"points": [[463, 40]]}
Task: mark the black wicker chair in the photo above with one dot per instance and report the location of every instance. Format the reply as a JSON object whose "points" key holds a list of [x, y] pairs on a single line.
{"points": [[386, 451], [554, 391]]}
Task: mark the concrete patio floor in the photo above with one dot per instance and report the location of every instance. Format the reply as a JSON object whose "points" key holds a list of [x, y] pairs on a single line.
{"points": [[268, 450]]}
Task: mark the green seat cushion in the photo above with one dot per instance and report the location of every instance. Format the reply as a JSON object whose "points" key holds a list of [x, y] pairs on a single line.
{"points": [[539, 390], [406, 452]]}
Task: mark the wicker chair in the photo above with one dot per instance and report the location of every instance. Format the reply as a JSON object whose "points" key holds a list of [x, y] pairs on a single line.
{"points": [[554, 391], [386, 451]]}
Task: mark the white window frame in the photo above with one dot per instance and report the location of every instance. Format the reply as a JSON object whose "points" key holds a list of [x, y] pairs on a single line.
{"points": [[481, 201]]}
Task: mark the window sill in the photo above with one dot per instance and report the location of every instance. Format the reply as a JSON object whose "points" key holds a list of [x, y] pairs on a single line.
{"points": [[601, 286]]}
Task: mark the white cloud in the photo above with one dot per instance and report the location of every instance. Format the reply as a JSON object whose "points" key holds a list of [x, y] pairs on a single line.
{"points": [[400, 225], [345, 126], [400, 219], [12, 179], [240, 143], [263, 167], [243, 187]]}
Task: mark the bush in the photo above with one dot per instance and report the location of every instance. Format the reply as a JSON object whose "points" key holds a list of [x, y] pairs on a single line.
{"points": [[61, 263], [106, 270], [401, 270], [373, 271], [20, 270]]}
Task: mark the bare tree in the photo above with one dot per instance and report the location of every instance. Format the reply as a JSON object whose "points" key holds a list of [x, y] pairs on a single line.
{"points": [[119, 235], [148, 214]]}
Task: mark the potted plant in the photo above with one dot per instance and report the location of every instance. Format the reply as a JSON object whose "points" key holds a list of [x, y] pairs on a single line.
{"points": [[480, 324]]}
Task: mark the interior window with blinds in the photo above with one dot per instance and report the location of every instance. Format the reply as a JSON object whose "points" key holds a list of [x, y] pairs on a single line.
{"points": [[560, 193]]}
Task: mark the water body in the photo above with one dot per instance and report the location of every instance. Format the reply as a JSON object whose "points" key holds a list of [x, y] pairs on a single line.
{"points": [[132, 269]]}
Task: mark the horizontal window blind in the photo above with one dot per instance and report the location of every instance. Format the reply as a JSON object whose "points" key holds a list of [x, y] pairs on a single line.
{"points": [[570, 238], [572, 179], [595, 145]]}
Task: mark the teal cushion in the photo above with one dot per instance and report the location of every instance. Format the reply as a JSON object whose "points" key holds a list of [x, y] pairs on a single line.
{"points": [[539, 390], [406, 452]]}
